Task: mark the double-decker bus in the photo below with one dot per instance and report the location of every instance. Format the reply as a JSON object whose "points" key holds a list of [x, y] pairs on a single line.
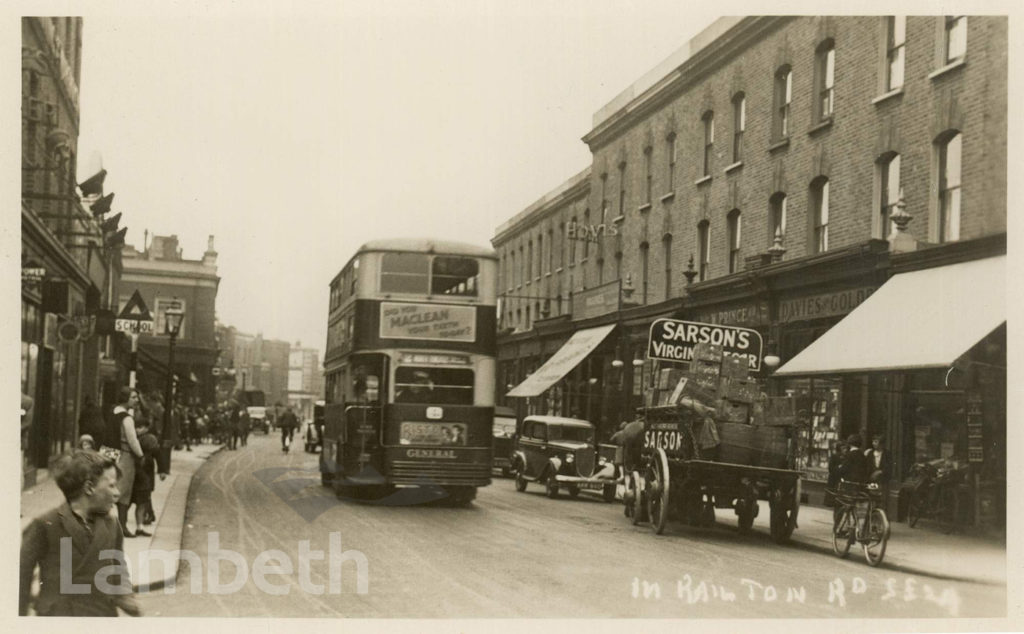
{"points": [[409, 370]]}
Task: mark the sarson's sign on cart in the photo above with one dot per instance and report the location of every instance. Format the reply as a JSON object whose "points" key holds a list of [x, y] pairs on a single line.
{"points": [[673, 340]]}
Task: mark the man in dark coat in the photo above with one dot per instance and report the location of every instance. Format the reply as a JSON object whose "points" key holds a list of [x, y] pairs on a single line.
{"points": [[72, 539], [288, 423]]}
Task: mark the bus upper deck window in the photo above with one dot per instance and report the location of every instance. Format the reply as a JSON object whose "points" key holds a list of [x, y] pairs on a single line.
{"points": [[454, 276], [404, 273]]}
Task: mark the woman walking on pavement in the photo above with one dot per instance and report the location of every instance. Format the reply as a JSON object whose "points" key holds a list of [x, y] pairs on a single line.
{"points": [[122, 430]]}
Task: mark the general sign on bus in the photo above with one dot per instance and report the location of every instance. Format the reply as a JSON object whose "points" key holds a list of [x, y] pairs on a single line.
{"points": [[673, 340]]}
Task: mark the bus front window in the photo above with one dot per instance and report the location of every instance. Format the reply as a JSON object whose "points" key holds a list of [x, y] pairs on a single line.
{"points": [[434, 386]]}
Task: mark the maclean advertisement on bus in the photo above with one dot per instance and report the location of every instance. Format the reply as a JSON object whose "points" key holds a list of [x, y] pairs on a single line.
{"points": [[673, 340]]}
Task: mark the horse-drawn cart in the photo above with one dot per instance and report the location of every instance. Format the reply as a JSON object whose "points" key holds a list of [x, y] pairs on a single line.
{"points": [[691, 464]]}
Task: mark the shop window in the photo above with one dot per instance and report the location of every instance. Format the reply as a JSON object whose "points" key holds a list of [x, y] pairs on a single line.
{"points": [[819, 425]]}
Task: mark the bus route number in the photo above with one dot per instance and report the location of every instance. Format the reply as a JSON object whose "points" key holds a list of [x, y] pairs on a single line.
{"points": [[667, 440]]}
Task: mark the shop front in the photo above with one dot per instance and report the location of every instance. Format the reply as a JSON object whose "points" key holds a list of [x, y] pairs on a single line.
{"points": [[921, 364]]}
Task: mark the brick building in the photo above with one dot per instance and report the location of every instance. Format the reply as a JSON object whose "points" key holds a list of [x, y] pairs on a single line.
{"points": [[166, 280], [70, 252], [773, 174]]}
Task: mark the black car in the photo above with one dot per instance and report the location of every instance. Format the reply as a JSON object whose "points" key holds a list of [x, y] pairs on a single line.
{"points": [[561, 453]]}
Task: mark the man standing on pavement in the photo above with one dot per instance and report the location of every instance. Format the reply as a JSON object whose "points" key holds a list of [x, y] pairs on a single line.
{"points": [[78, 546], [288, 423]]}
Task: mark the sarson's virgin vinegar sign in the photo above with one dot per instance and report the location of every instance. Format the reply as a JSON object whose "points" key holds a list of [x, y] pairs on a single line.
{"points": [[673, 340], [435, 322]]}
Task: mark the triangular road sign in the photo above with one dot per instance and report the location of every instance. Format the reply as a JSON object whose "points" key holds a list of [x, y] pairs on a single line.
{"points": [[135, 309]]}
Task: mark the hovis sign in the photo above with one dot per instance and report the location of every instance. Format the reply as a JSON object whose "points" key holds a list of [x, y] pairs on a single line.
{"points": [[673, 340]]}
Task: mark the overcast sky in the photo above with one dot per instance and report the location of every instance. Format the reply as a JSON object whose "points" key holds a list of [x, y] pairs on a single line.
{"points": [[295, 137]]}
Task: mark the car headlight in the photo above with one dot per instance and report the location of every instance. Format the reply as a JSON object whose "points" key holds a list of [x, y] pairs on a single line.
{"points": [[569, 458]]}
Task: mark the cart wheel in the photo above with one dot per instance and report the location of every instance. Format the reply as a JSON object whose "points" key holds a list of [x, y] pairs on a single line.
{"points": [[783, 516], [658, 490], [636, 503]]}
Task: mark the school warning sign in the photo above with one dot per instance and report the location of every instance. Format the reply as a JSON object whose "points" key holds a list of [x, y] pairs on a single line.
{"points": [[673, 340]]}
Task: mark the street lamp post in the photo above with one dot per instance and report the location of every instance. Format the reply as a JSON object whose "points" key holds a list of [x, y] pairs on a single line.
{"points": [[173, 318]]}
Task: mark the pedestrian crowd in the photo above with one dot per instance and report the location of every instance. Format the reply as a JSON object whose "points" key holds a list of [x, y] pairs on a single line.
{"points": [[119, 458]]}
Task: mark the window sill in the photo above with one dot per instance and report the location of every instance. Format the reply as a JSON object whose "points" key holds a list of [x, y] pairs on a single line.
{"points": [[558, 270], [824, 125], [668, 197], [618, 220], [947, 68], [734, 166], [887, 96], [537, 279], [584, 260], [548, 274], [778, 145], [701, 181], [528, 282], [644, 207]]}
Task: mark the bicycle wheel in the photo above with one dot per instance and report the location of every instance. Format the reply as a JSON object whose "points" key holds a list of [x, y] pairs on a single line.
{"points": [[877, 537], [843, 532]]}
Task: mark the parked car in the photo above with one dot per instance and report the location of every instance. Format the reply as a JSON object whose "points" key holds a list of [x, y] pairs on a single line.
{"points": [[504, 431], [561, 453]]}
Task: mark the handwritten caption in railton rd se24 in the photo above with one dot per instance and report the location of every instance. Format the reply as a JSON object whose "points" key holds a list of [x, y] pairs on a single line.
{"points": [[839, 592]]}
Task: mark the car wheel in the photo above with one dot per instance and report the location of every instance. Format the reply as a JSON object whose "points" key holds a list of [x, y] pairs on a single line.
{"points": [[552, 487], [520, 481], [608, 493]]}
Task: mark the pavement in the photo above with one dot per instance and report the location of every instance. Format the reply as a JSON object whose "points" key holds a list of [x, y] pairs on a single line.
{"points": [[170, 498], [963, 554]]}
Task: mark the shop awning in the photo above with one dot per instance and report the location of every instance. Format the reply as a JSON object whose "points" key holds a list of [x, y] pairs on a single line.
{"points": [[917, 320], [562, 362]]}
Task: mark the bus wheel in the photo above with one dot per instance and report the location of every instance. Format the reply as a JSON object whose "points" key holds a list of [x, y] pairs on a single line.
{"points": [[462, 496]]}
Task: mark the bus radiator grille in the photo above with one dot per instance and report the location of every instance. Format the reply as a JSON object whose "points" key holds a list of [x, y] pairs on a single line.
{"points": [[408, 472]]}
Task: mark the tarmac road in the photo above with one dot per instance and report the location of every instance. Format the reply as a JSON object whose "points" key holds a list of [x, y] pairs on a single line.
{"points": [[510, 554]]}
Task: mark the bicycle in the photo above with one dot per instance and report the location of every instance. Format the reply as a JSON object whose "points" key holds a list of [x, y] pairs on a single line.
{"points": [[859, 519]]}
